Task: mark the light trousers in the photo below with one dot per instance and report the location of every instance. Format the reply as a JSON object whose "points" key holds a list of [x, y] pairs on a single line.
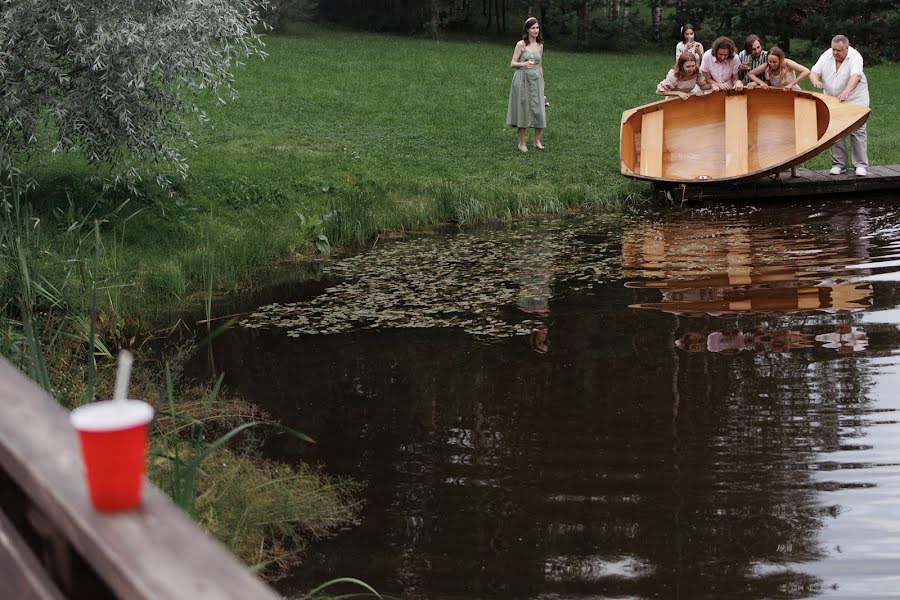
{"points": [[859, 144]]}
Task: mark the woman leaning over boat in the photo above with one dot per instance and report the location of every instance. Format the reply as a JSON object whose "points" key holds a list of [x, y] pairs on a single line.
{"points": [[683, 79], [778, 72]]}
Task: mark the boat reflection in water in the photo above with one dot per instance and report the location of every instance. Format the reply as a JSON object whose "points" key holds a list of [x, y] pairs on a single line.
{"points": [[739, 270]]}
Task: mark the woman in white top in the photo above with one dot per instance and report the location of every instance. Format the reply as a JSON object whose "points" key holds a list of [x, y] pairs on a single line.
{"points": [[683, 79], [688, 43]]}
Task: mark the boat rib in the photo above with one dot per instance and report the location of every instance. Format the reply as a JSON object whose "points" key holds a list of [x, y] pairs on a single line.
{"points": [[732, 135]]}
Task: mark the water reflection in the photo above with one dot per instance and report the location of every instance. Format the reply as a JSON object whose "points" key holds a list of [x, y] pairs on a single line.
{"points": [[658, 447], [734, 340]]}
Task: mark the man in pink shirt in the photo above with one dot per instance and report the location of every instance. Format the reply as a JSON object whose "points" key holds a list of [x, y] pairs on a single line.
{"points": [[720, 65]]}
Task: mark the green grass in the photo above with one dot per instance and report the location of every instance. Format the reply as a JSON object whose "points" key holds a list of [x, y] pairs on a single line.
{"points": [[365, 133]]}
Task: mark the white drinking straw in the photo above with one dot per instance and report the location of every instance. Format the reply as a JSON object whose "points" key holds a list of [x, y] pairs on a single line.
{"points": [[123, 374]]}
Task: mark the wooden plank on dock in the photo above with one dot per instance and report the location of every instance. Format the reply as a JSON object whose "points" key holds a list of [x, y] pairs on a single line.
{"points": [[736, 136], [23, 576], [153, 552], [652, 143], [885, 170], [810, 183]]}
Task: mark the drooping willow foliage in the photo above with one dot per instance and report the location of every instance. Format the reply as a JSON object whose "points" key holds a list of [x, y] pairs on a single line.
{"points": [[114, 80]]}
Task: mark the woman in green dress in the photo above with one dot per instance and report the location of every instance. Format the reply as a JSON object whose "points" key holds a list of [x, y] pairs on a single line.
{"points": [[526, 94]]}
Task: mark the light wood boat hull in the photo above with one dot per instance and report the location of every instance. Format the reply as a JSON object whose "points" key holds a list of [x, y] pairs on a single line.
{"points": [[732, 135]]}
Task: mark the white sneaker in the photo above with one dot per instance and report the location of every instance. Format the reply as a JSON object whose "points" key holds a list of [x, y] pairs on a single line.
{"points": [[836, 170], [861, 172]]}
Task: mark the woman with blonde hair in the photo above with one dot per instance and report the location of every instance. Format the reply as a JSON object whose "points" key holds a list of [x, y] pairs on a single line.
{"points": [[683, 79], [779, 72]]}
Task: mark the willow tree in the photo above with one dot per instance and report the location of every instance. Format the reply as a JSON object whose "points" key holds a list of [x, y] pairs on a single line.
{"points": [[116, 81]]}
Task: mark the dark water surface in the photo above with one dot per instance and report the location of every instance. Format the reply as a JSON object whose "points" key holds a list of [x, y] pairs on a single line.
{"points": [[698, 403]]}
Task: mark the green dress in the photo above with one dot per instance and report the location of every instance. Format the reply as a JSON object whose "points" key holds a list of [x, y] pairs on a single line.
{"points": [[526, 95]]}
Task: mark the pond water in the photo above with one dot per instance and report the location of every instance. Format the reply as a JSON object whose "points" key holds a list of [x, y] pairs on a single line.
{"points": [[690, 403]]}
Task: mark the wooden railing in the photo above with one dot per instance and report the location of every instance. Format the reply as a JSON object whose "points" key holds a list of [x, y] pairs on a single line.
{"points": [[54, 545]]}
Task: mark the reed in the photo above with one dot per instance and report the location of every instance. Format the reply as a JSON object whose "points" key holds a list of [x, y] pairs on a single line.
{"points": [[65, 347]]}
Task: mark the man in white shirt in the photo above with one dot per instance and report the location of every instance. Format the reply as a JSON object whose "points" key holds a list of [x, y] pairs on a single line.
{"points": [[839, 72]]}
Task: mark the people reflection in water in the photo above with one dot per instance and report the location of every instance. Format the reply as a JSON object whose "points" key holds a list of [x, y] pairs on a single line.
{"points": [[539, 341], [781, 340], [727, 341], [534, 299], [733, 340], [844, 338]]}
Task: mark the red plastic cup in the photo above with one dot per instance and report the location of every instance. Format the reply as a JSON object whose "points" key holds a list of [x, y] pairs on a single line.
{"points": [[113, 436]]}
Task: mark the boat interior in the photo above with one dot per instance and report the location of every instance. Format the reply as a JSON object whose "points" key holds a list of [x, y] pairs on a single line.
{"points": [[721, 135]]}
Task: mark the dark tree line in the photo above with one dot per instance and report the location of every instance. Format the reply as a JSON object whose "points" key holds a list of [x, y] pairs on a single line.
{"points": [[871, 25]]}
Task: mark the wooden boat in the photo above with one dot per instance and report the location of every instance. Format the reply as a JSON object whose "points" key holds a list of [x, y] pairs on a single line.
{"points": [[732, 135]]}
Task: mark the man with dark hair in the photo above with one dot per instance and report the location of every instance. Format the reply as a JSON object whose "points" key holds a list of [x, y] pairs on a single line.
{"points": [[839, 72], [751, 56], [720, 65]]}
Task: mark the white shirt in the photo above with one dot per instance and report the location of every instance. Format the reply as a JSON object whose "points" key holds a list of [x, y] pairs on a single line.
{"points": [[835, 79], [679, 50]]}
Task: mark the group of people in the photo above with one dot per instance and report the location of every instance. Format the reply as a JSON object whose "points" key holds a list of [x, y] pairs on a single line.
{"points": [[838, 72], [844, 338], [722, 67]]}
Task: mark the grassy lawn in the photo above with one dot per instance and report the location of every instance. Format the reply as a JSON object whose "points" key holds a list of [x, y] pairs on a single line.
{"points": [[347, 134]]}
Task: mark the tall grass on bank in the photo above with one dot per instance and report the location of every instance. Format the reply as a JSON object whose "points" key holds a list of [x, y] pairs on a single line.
{"points": [[340, 135], [265, 512]]}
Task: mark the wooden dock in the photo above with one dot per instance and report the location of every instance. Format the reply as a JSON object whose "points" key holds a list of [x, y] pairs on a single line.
{"points": [[810, 183], [54, 546]]}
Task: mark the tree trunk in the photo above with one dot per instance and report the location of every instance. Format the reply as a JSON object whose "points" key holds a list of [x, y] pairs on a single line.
{"points": [[626, 8], [582, 22], [657, 18], [434, 23]]}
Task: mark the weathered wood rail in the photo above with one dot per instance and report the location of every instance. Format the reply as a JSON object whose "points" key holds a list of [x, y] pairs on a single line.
{"points": [[810, 183], [54, 545]]}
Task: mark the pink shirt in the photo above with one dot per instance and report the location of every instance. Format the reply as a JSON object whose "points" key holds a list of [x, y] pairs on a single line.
{"points": [[720, 72]]}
